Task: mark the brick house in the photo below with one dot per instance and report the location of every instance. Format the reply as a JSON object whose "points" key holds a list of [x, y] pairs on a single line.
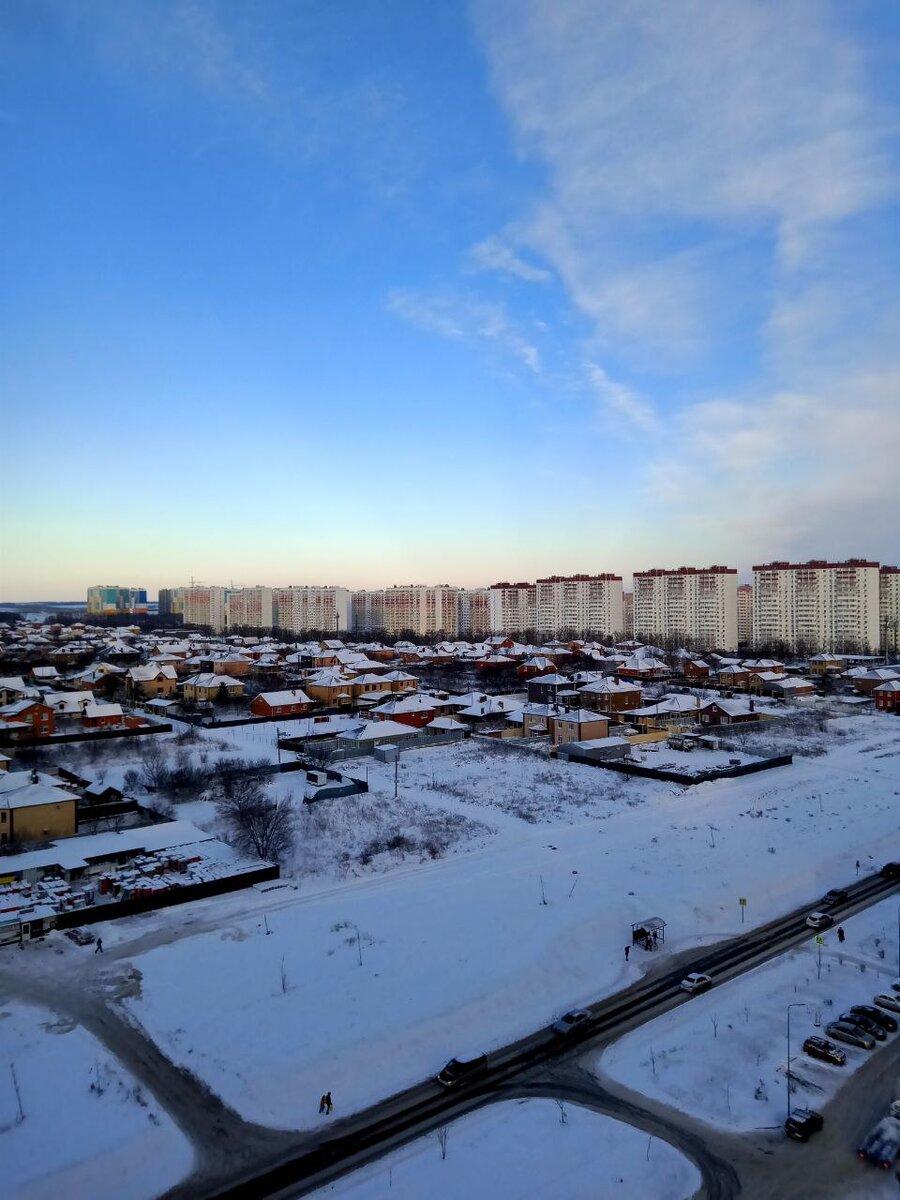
{"points": [[39, 719], [293, 703], [887, 696]]}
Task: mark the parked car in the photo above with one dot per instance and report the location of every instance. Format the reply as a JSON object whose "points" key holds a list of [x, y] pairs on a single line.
{"points": [[883, 1000], [853, 1035], [882, 1144], [819, 920], [821, 1048], [871, 1027], [695, 982], [835, 896], [571, 1020], [81, 936], [890, 870], [895, 986], [460, 1070], [802, 1124], [876, 1015]]}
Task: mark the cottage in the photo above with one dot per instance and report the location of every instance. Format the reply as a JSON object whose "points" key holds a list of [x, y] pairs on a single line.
{"points": [[291, 703], [31, 717], [212, 687], [610, 695], [887, 696], [727, 712]]}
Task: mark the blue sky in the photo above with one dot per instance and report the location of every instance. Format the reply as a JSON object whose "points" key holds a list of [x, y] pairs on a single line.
{"points": [[369, 292]]}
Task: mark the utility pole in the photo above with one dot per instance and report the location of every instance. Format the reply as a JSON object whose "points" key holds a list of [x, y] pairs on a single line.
{"points": [[795, 1004]]}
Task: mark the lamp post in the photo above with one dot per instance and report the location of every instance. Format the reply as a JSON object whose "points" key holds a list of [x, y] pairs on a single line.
{"points": [[794, 1004]]}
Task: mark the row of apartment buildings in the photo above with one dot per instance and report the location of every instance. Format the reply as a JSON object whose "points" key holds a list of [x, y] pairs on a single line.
{"points": [[813, 606]]}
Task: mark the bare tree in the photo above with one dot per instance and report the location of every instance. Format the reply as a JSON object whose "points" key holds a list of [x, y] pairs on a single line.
{"points": [[260, 825], [442, 1133], [154, 768]]}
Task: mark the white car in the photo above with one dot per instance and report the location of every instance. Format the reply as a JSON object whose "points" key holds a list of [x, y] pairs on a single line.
{"points": [[695, 983], [819, 920]]}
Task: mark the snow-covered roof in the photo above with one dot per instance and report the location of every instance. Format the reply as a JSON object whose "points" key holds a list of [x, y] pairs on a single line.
{"points": [[291, 696]]}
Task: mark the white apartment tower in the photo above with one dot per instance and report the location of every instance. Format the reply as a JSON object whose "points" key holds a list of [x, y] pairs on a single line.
{"points": [[205, 606], [473, 606], [889, 606], [249, 608], [306, 608], [818, 605], [745, 613], [512, 607], [415, 607], [584, 603], [689, 604]]}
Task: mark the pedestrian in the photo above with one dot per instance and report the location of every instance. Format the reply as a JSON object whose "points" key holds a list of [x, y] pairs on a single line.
{"points": [[841, 935], [98, 949], [322, 1103], [627, 952], [328, 1105]]}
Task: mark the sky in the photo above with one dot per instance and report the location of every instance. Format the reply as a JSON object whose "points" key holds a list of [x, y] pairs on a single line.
{"points": [[380, 292]]}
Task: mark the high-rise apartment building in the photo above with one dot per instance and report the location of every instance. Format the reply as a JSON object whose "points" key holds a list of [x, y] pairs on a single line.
{"points": [[366, 610], [249, 608], [205, 606], [889, 609], [473, 607], [689, 604], [512, 607], [628, 615], [817, 605], [108, 599], [414, 608], [299, 609], [745, 613], [171, 602], [583, 603]]}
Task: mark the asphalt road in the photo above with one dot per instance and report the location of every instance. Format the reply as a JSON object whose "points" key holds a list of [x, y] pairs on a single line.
{"points": [[319, 1159]]}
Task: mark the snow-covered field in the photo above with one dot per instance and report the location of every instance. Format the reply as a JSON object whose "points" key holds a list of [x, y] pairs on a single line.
{"points": [[85, 1127], [462, 953], [722, 1055], [522, 1150]]}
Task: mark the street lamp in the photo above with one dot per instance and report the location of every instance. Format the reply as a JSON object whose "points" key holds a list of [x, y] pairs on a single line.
{"points": [[794, 1004]]}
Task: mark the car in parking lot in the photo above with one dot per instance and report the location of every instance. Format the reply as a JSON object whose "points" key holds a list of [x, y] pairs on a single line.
{"points": [[835, 896], [824, 1050], [571, 1020], [803, 1123], [880, 1147], [895, 986], [853, 1035], [460, 1070], [695, 982], [884, 1000], [890, 870], [871, 1027], [819, 920], [876, 1015], [81, 936]]}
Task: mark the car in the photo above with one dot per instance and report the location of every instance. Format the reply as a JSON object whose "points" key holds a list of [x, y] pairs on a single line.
{"points": [[824, 1050], [853, 1035], [835, 896], [883, 1000], [803, 1123], [880, 1147], [895, 986], [873, 1029], [890, 870], [571, 1020], [459, 1070], [695, 982], [819, 920], [876, 1015], [81, 936]]}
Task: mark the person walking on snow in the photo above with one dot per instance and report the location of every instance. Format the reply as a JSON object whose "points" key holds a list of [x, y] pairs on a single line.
{"points": [[841, 935], [322, 1103], [98, 949], [328, 1105], [627, 952]]}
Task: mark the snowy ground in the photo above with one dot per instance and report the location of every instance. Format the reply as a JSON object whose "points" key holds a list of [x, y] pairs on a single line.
{"points": [[521, 1150], [88, 1128], [461, 954], [722, 1055]]}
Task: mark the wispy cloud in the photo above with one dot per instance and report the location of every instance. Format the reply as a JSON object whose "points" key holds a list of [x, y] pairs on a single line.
{"points": [[669, 128], [492, 254], [466, 318], [620, 407]]}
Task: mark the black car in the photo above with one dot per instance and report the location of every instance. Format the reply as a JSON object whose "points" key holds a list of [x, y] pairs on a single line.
{"points": [[871, 1027], [836, 896], [821, 1048], [890, 870], [875, 1014], [459, 1070], [802, 1124]]}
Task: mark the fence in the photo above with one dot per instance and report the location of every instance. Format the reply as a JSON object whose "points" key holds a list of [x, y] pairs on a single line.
{"points": [[626, 768], [86, 735], [181, 895]]}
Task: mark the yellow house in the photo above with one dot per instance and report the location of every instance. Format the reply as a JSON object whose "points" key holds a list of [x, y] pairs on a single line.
{"points": [[153, 680], [209, 687], [578, 725], [36, 812]]}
